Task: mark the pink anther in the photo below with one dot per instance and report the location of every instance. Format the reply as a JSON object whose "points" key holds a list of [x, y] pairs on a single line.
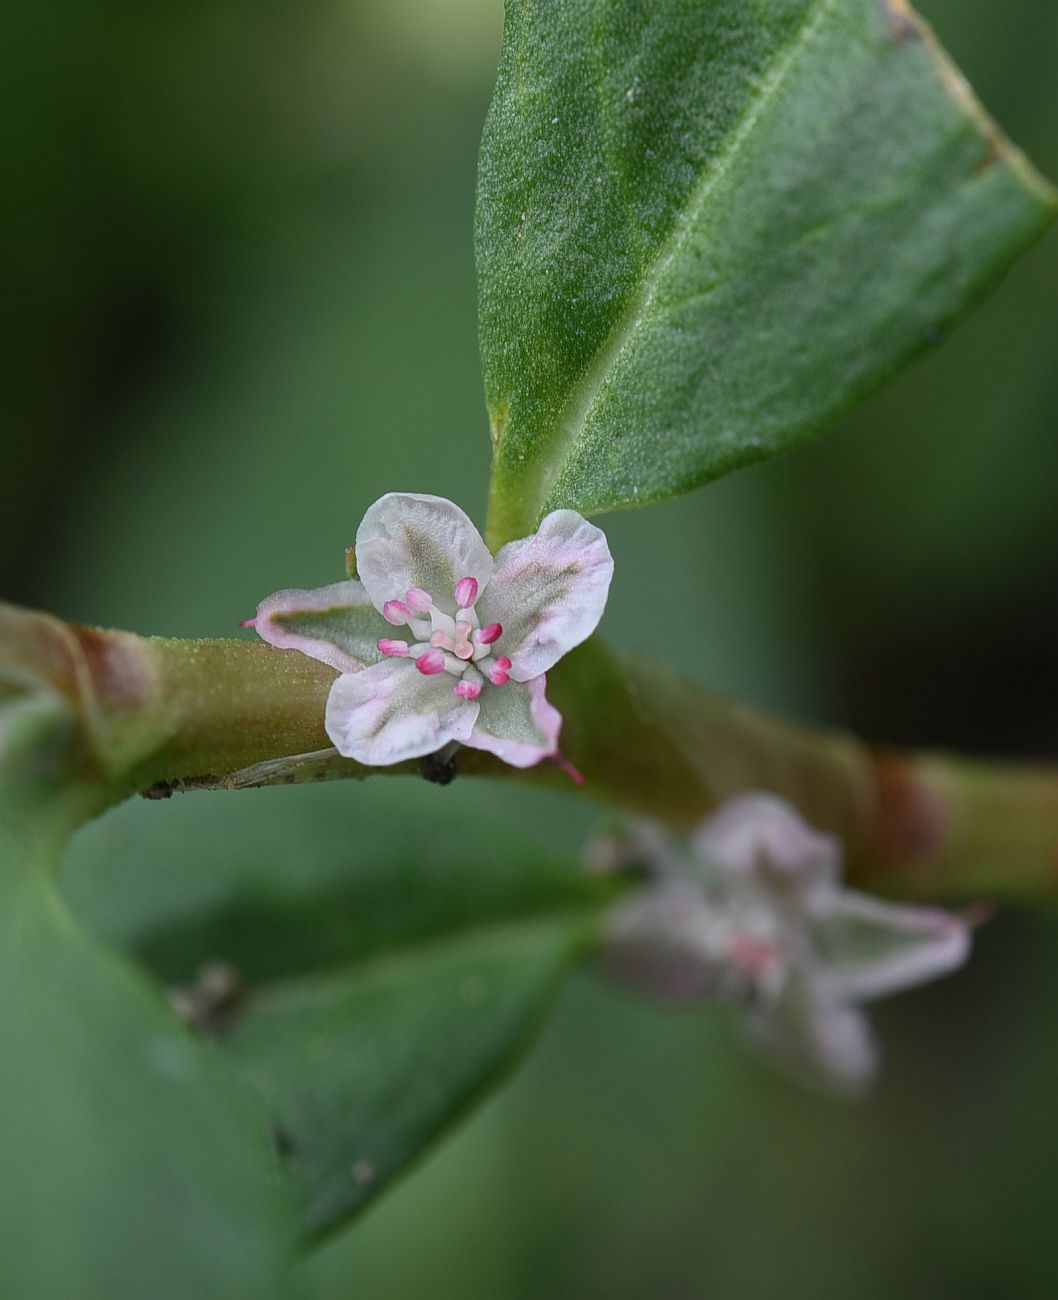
{"points": [[397, 648], [430, 662], [396, 612]]}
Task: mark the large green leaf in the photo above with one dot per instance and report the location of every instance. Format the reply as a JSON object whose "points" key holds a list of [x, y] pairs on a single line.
{"points": [[706, 227], [363, 1068], [133, 1163], [394, 948]]}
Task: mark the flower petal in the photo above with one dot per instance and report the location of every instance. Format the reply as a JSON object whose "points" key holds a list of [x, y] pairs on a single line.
{"points": [[873, 948], [408, 541], [760, 831], [516, 723], [549, 592], [337, 624], [816, 1037], [667, 943], [391, 712]]}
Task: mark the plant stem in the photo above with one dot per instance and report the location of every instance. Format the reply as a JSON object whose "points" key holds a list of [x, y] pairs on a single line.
{"points": [[920, 825], [233, 714]]}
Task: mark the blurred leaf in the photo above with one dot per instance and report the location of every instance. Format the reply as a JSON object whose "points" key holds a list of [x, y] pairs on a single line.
{"points": [[283, 881], [393, 947], [133, 1163], [364, 1068], [704, 230]]}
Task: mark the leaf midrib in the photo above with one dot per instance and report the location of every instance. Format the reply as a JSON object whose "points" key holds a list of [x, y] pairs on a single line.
{"points": [[584, 396]]}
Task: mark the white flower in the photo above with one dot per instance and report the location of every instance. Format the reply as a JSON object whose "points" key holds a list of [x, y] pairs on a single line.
{"points": [[755, 915], [439, 641]]}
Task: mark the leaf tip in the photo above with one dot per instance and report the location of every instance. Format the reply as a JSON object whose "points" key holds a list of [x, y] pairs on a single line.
{"points": [[904, 24]]}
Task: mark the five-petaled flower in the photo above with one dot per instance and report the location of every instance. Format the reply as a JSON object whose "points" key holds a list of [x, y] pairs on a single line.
{"points": [[753, 913], [437, 640]]}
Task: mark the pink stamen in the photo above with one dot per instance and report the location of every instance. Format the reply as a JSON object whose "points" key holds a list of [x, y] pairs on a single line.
{"points": [[463, 631], [753, 955], [574, 774], [466, 592], [248, 622], [388, 647], [463, 650], [430, 662], [396, 612], [440, 639], [489, 635], [468, 690], [498, 674], [418, 600]]}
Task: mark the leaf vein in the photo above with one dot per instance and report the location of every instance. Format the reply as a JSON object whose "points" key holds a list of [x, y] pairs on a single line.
{"points": [[585, 396]]}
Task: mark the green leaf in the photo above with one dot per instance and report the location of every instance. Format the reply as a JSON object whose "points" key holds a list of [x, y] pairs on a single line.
{"points": [[363, 1068], [395, 949], [133, 1163], [705, 229]]}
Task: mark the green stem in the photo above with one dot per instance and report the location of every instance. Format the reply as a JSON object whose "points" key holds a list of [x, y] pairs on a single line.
{"points": [[162, 714], [648, 742], [234, 703]]}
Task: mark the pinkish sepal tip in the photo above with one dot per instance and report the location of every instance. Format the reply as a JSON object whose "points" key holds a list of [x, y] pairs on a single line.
{"points": [[574, 774]]}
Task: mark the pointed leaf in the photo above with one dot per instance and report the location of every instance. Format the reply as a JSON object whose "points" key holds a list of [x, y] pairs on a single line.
{"points": [[392, 953], [362, 1069], [705, 229]]}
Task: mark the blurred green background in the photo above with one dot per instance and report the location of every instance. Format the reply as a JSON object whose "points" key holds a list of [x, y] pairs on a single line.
{"points": [[237, 255]]}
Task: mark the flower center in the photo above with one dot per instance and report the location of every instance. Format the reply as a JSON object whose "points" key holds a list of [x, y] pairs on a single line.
{"points": [[445, 643]]}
